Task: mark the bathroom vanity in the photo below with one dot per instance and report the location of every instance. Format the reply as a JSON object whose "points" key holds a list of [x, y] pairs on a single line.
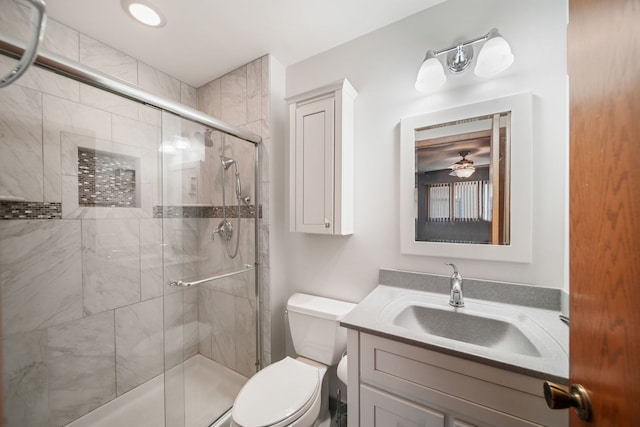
{"points": [[416, 361]]}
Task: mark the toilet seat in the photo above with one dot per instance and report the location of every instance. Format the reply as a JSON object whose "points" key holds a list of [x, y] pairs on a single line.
{"points": [[278, 395]]}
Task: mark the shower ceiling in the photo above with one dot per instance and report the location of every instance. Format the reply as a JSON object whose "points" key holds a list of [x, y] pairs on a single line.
{"points": [[204, 39]]}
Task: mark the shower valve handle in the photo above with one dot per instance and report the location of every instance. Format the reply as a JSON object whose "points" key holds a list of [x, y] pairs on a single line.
{"points": [[224, 230]]}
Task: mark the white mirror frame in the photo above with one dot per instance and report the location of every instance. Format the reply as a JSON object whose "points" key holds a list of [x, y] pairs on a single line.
{"points": [[520, 249]]}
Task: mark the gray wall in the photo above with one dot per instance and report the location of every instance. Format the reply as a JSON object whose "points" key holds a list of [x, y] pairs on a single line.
{"points": [[382, 67]]}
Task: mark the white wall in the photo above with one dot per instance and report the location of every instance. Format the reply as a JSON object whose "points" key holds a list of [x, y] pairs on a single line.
{"points": [[382, 67], [272, 156]]}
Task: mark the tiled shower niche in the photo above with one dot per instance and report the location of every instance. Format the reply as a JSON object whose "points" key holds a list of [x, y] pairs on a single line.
{"points": [[106, 179]]}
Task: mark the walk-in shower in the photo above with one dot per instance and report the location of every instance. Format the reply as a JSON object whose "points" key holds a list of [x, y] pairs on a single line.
{"points": [[117, 306]]}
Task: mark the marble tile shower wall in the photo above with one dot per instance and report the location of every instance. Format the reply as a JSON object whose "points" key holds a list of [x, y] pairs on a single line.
{"points": [[226, 314], [83, 314]]}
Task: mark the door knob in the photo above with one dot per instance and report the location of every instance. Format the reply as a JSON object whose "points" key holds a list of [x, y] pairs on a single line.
{"points": [[559, 398]]}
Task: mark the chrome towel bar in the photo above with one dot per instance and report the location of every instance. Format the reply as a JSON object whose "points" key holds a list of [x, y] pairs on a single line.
{"points": [[246, 267]]}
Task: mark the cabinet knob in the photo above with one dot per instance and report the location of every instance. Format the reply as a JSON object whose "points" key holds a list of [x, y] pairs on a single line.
{"points": [[559, 398], [327, 224]]}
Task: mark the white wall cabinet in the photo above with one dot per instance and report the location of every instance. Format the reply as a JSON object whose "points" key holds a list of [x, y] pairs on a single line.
{"points": [[321, 160], [393, 383]]}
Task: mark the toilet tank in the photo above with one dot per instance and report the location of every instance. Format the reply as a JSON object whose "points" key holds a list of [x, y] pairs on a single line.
{"points": [[315, 327]]}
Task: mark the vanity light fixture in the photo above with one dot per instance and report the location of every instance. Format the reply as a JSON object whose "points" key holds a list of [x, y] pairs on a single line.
{"points": [[145, 12], [463, 168], [495, 56]]}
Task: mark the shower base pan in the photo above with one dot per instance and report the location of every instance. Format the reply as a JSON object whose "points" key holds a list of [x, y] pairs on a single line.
{"points": [[208, 391]]}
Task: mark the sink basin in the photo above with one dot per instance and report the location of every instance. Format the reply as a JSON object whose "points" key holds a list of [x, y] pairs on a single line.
{"points": [[487, 329], [457, 325]]}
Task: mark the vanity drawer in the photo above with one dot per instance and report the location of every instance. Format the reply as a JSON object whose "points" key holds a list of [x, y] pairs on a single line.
{"points": [[431, 378], [380, 409]]}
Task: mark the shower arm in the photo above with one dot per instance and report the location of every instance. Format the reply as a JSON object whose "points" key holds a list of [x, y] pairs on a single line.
{"points": [[38, 24]]}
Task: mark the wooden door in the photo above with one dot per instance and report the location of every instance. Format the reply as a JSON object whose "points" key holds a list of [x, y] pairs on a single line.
{"points": [[604, 72]]}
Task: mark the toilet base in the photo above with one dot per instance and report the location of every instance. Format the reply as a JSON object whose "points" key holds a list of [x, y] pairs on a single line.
{"points": [[224, 420], [324, 420]]}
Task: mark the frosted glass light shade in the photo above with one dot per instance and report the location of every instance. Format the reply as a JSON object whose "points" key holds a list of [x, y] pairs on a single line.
{"points": [[463, 172], [494, 57], [431, 74]]}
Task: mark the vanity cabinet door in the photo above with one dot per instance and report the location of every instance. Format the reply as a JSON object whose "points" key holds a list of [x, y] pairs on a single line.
{"points": [[382, 409]]}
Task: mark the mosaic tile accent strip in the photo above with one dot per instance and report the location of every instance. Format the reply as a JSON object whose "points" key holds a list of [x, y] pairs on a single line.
{"points": [[106, 179], [30, 210], [50, 210], [247, 211]]}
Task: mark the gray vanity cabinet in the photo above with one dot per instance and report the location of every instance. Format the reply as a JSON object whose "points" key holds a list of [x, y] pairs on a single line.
{"points": [[392, 383]]}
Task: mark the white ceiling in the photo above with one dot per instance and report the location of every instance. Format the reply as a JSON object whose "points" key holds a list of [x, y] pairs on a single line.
{"points": [[204, 39]]}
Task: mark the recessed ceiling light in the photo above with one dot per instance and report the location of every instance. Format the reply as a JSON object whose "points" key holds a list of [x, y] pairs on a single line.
{"points": [[144, 12]]}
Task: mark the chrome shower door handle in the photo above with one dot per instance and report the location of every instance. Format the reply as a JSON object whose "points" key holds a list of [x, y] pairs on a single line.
{"points": [[38, 21]]}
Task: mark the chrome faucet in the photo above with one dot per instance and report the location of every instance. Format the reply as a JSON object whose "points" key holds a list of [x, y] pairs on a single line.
{"points": [[455, 291]]}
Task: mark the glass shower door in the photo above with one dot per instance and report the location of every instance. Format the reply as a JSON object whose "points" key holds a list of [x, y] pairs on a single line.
{"points": [[209, 327], [80, 256]]}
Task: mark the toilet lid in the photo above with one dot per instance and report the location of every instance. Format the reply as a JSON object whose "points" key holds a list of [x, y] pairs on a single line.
{"points": [[276, 393]]}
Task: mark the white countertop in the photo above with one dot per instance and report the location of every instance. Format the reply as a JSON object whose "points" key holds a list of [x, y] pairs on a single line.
{"points": [[374, 315]]}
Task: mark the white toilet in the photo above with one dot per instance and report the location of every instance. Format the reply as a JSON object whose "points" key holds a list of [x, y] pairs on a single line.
{"points": [[293, 392]]}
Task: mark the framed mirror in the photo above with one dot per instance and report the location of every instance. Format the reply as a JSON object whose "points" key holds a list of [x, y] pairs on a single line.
{"points": [[465, 184]]}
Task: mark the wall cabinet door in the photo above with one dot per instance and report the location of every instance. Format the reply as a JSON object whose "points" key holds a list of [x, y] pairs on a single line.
{"points": [[314, 166], [321, 160]]}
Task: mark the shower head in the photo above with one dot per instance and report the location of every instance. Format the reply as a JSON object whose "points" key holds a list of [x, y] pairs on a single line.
{"points": [[227, 162], [205, 137]]}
